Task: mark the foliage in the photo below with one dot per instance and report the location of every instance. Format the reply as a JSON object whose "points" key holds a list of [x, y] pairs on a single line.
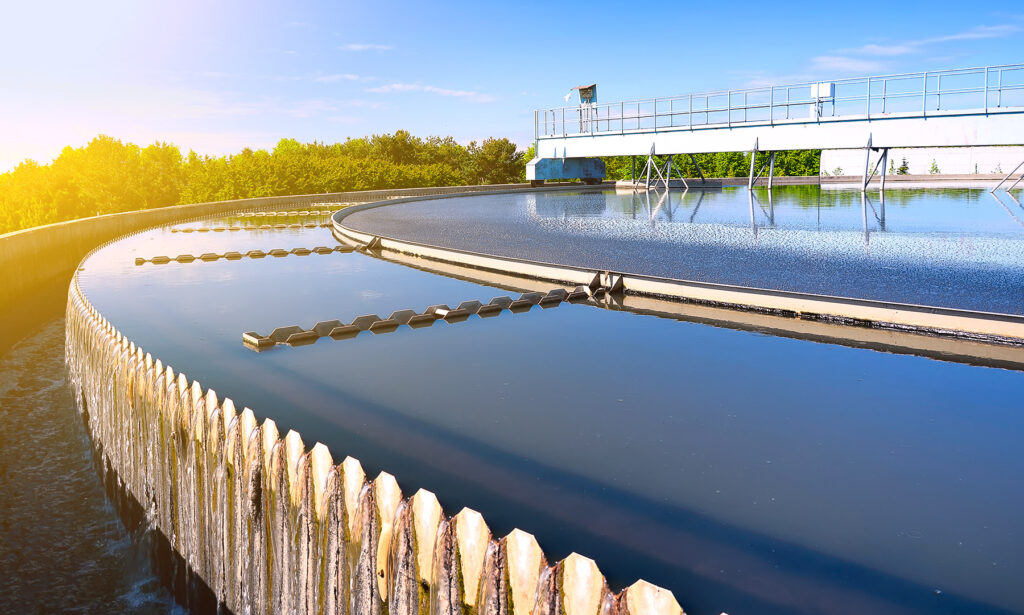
{"points": [[107, 176], [934, 169], [721, 164], [904, 168]]}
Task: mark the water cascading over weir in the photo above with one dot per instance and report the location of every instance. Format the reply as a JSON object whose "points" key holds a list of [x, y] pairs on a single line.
{"points": [[265, 524]]}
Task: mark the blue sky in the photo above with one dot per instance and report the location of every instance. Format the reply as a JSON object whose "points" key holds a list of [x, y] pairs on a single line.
{"points": [[219, 76]]}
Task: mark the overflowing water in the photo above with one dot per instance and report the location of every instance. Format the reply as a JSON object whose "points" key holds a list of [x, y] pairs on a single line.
{"points": [[746, 473], [62, 547]]}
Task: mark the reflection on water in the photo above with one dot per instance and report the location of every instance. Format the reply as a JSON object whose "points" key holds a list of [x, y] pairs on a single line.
{"points": [[948, 247], [748, 473]]}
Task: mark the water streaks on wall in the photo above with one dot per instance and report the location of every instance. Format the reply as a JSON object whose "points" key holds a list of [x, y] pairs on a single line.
{"points": [[272, 525]]}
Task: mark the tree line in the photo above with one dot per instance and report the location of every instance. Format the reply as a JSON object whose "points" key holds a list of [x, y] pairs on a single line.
{"points": [[108, 176]]}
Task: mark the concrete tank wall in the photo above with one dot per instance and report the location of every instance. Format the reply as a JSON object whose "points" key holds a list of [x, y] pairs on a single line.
{"points": [[262, 520], [271, 524], [996, 161]]}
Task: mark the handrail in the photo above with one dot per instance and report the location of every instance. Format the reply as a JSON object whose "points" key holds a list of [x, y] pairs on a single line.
{"points": [[953, 90]]}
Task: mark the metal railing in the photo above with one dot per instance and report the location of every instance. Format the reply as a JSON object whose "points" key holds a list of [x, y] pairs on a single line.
{"points": [[983, 89]]}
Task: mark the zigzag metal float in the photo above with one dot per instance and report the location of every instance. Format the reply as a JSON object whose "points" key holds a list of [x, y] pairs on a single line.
{"points": [[234, 256], [249, 227], [297, 336]]}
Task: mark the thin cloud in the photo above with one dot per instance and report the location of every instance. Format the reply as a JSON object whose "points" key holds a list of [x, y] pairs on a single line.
{"points": [[366, 47], [844, 64], [430, 89], [337, 77], [916, 46], [886, 50]]}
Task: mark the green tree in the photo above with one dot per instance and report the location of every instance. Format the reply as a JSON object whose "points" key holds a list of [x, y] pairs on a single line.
{"points": [[496, 161]]}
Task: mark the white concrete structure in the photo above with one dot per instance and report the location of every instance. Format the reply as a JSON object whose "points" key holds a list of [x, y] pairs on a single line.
{"points": [[948, 160], [953, 108]]}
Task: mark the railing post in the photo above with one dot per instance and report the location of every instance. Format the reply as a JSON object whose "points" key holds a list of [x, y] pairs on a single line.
{"points": [[999, 90], [563, 121], [868, 97], [622, 118], [884, 82], [938, 93], [771, 107], [689, 117], [655, 115], [924, 95], [728, 108], [986, 90]]}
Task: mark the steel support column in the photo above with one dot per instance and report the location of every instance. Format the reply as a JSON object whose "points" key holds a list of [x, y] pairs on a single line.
{"points": [[699, 171], [753, 160], [1007, 178]]}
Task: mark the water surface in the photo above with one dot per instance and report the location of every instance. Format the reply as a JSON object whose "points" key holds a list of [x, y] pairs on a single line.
{"points": [[748, 473], [960, 248]]}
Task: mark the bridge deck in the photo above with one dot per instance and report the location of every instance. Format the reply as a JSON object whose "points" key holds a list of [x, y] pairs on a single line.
{"points": [[978, 106]]}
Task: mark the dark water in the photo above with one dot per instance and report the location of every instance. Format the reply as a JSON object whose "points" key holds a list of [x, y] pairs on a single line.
{"points": [[62, 546], [747, 473], [961, 248]]}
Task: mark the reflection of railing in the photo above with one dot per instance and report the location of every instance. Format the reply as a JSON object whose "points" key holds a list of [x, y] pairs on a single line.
{"points": [[909, 95]]}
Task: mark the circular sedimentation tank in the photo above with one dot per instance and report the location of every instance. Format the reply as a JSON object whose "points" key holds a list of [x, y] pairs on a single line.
{"points": [[473, 402]]}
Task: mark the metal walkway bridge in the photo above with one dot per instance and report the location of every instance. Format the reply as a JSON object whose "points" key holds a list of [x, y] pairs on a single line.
{"points": [[950, 108]]}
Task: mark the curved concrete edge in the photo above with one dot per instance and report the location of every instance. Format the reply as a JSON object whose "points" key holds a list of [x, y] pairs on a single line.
{"points": [[985, 327], [892, 340], [272, 525], [36, 263]]}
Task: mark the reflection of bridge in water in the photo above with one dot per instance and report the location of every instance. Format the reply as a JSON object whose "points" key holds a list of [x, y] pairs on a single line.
{"points": [[951, 108], [684, 207]]}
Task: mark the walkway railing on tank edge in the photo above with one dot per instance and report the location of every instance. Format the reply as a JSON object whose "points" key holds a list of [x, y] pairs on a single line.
{"points": [[985, 89]]}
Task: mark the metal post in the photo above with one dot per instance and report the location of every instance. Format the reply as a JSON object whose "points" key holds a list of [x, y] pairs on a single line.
{"points": [[771, 107], [999, 89], [655, 115], [689, 117], [884, 82], [885, 166], [622, 118], [728, 108], [699, 171], [632, 172], [1005, 179], [771, 174], [563, 121], [924, 95], [938, 93], [986, 90], [868, 97], [753, 158]]}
